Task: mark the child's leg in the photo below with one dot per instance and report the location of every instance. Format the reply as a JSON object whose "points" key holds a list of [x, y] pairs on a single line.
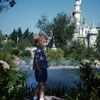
{"points": [[36, 93], [42, 90]]}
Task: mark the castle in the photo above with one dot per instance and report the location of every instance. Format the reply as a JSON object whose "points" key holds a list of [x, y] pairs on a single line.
{"points": [[83, 31]]}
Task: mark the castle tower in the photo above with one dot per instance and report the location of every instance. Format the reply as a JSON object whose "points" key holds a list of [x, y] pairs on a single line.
{"points": [[77, 12], [84, 20]]}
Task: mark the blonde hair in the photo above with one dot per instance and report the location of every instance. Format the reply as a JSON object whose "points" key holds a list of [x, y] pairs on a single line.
{"points": [[39, 37]]}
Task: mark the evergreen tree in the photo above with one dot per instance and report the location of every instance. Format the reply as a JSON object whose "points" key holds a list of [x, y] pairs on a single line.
{"points": [[26, 33], [13, 36], [2, 37], [31, 38], [19, 33]]}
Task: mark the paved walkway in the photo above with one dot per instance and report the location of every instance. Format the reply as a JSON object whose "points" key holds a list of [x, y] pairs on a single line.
{"points": [[46, 98]]}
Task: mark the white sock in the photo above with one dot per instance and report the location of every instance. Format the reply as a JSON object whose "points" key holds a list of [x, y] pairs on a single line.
{"points": [[41, 98], [35, 98]]}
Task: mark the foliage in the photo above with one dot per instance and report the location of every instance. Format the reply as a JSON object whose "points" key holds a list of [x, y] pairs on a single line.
{"points": [[90, 80], [63, 30], [18, 37], [6, 56], [2, 37], [28, 35], [26, 53], [7, 49], [13, 36], [58, 91], [16, 51], [44, 25], [11, 84], [55, 54], [12, 44], [23, 43], [77, 51], [19, 33], [88, 88], [10, 3]]}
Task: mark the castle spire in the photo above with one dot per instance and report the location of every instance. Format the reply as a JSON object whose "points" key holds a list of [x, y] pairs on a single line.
{"points": [[92, 25], [84, 20], [77, 12]]}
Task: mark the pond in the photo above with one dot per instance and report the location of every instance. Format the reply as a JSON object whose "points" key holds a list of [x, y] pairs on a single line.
{"points": [[63, 75]]}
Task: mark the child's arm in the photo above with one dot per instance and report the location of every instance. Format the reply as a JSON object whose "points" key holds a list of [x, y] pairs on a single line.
{"points": [[38, 67]]}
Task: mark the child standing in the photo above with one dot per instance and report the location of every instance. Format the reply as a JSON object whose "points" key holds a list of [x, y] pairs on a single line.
{"points": [[40, 66]]}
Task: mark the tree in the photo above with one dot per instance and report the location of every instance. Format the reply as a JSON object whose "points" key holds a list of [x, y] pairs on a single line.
{"points": [[23, 43], [10, 3], [44, 25], [19, 33], [31, 38], [63, 30], [13, 36], [62, 27], [26, 33], [2, 37]]}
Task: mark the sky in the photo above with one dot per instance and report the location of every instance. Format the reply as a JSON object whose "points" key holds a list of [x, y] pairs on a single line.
{"points": [[26, 13]]}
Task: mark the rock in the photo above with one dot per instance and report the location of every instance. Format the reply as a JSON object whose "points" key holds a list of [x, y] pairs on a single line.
{"points": [[97, 62], [4, 64]]}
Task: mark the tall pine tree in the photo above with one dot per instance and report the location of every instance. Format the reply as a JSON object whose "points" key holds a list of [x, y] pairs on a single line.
{"points": [[13, 36]]}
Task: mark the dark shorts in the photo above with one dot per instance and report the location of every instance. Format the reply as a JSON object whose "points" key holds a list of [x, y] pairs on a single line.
{"points": [[42, 78]]}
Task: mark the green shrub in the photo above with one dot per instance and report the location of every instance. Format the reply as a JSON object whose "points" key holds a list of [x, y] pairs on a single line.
{"points": [[26, 53], [72, 56], [55, 54], [23, 43], [5, 56], [11, 84], [58, 91], [89, 86], [7, 49], [16, 52], [12, 44]]}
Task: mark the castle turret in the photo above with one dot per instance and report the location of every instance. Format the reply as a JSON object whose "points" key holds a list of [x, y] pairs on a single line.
{"points": [[84, 20], [77, 12]]}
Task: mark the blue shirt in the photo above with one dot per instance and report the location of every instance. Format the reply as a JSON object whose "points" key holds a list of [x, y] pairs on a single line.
{"points": [[39, 54]]}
